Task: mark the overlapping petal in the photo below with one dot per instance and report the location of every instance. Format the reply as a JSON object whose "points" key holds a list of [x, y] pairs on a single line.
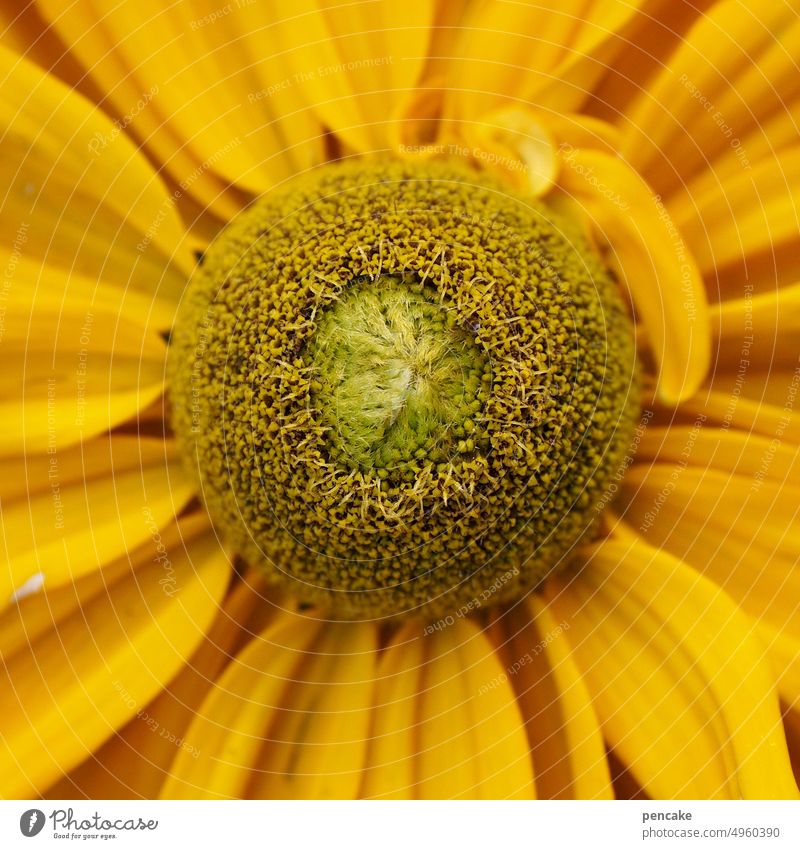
{"points": [[564, 735], [135, 762], [78, 196], [532, 53], [81, 357], [727, 75], [66, 513], [648, 251], [678, 677], [289, 718], [728, 504], [69, 689], [244, 94], [446, 723]]}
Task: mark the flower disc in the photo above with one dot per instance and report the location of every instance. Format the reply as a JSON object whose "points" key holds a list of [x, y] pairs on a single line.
{"points": [[402, 388]]}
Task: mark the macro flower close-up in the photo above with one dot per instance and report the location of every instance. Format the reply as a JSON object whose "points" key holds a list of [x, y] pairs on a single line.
{"points": [[400, 400]]}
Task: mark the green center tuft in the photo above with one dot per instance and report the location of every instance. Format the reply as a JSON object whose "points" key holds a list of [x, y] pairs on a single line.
{"points": [[397, 380]]}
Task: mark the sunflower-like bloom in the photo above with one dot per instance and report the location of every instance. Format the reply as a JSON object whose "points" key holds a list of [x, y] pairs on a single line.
{"points": [[463, 466]]}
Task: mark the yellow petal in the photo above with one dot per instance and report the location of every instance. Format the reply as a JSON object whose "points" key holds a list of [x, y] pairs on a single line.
{"points": [[756, 379], [207, 87], [41, 610], [357, 66], [707, 447], [761, 401], [734, 66], [80, 358], [775, 133], [422, 112], [228, 728], [750, 216], [472, 741], [445, 722], [135, 762], [247, 92], [765, 310], [791, 722], [73, 687], [514, 143], [102, 213], [546, 55], [774, 388], [733, 516], [288, 718], [648, 252], [678, 680], [317, 740], [390, 771], [67, 513], [758, 330], [653, 40], [574, 130], [568, 751]]}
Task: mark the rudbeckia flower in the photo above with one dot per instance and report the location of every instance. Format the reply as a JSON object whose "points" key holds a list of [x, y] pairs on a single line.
{"points": [[399, 400]]}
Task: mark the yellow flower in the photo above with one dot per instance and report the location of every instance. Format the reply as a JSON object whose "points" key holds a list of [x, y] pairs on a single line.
{"points": [[142, 657]]}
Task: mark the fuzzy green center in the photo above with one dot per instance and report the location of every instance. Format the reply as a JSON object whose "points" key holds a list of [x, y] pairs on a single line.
{"points": [[397, 379]]}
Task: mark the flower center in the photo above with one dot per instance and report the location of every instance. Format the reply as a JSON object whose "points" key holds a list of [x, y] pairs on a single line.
{"points": [[396, 379], [402, 389]]}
